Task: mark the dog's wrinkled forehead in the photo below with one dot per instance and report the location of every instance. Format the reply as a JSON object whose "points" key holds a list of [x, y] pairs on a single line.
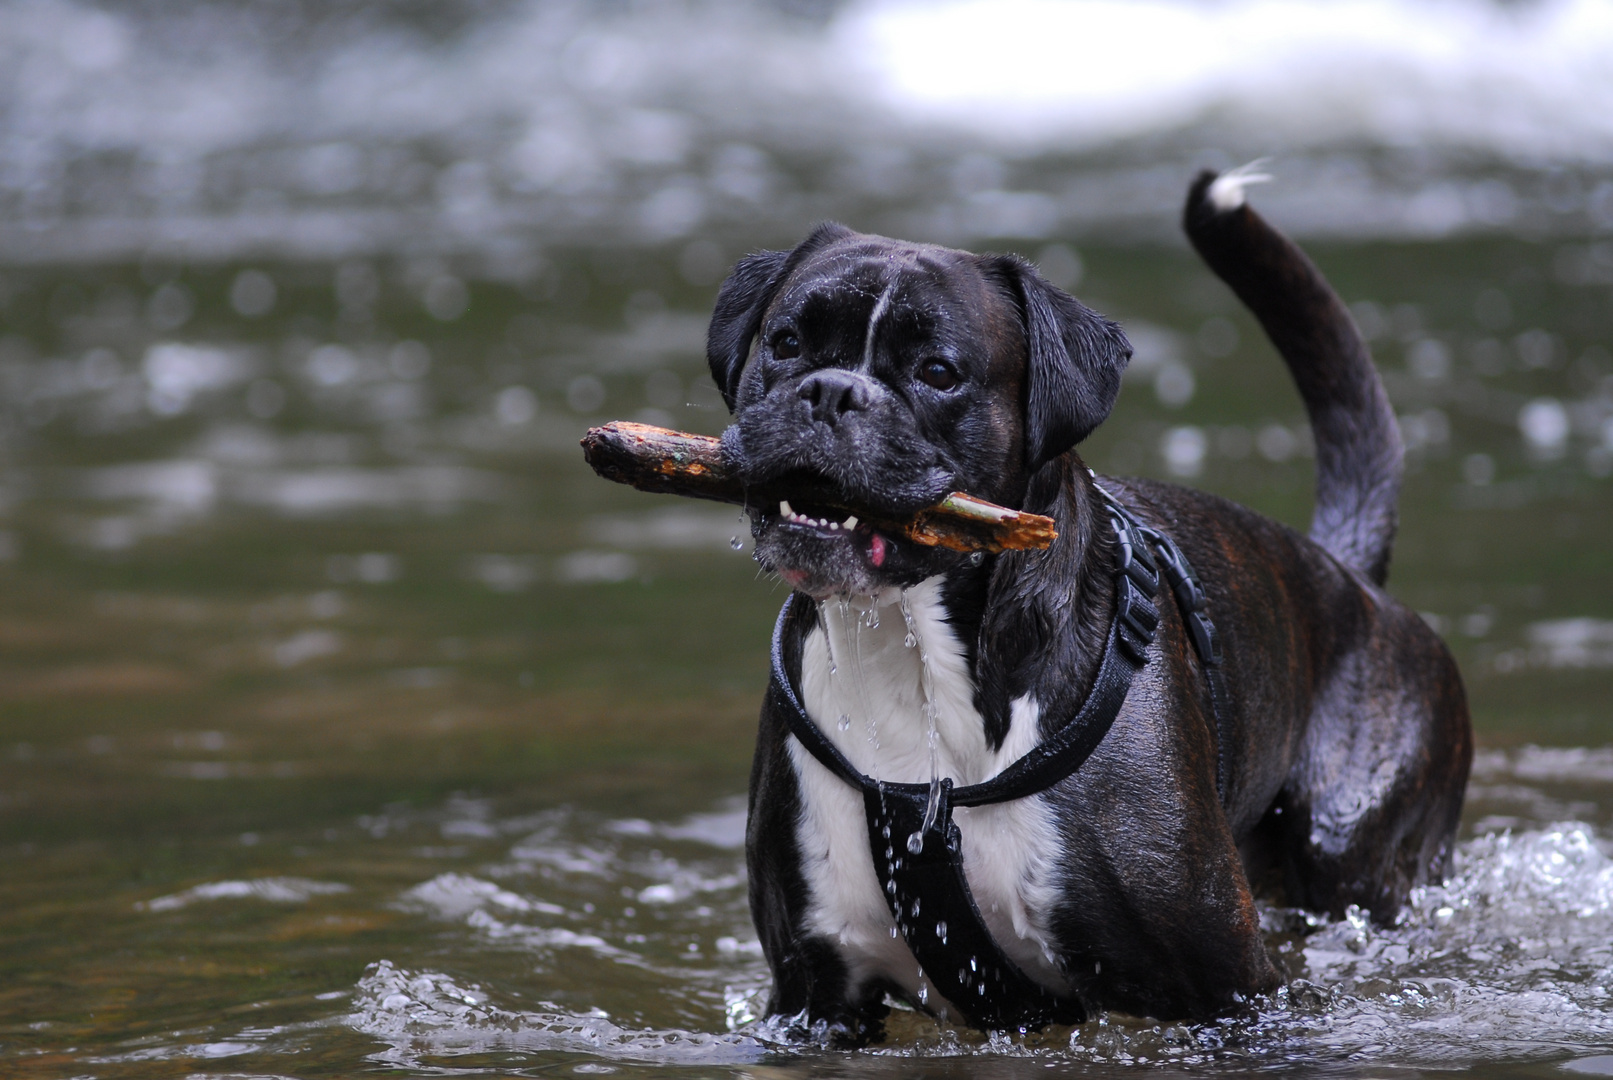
{"points": [[849, 296]]}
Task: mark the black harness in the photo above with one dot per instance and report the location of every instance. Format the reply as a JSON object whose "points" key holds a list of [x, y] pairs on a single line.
{"points": [[921, 870]]}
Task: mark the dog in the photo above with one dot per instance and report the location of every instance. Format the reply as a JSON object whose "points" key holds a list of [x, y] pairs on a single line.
{"points": [[1318, 751]]}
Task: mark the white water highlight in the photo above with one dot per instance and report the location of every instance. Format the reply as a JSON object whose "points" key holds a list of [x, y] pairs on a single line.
{"points": [[495, 131]]}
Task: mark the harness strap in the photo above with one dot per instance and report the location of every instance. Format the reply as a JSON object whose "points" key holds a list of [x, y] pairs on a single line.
{"points": [[1201, 632], [1194, 607], [935, 911]]}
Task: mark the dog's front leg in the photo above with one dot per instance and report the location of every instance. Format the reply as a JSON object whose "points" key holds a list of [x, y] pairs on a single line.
{"points": [[810, 979]]}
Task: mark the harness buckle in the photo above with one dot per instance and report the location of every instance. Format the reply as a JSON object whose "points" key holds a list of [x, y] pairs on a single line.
{"points": [[1136, 561], [1137, 619]]}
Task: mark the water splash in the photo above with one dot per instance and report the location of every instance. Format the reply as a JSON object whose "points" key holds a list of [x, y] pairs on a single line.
{"points": [[425, 1014], [1511, 958]]}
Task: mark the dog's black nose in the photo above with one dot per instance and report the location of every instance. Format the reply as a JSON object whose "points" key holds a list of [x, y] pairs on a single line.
{"points": [[833, 392]]}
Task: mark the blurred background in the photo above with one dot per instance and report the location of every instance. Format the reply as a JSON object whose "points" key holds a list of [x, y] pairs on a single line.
{"points": [[347, 721]]}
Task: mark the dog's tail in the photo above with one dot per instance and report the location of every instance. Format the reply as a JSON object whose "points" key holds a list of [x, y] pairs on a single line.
{"points": [[1358, 448]]}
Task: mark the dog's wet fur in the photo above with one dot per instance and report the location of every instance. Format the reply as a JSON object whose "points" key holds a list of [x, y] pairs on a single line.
{"points": [[895, 373]]}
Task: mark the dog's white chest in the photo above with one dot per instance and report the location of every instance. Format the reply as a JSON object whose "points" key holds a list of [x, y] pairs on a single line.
{"points": [[864, 683]]}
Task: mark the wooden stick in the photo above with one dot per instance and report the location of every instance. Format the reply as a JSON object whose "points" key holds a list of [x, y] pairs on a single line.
{"points": [[677, 463]]}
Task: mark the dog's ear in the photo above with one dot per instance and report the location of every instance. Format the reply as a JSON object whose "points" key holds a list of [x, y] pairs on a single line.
{"points": [[743, 299], [1074, 358], [737, 316]]}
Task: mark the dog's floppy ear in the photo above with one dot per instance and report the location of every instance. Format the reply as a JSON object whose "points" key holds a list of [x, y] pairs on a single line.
{"points": [[743, 299], [1074, 358]]}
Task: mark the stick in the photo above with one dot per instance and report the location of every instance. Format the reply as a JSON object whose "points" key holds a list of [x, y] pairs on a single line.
{"points": [[677, 463]]}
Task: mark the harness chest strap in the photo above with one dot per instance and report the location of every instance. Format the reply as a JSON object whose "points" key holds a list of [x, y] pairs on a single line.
{"points": [[921, 871]]}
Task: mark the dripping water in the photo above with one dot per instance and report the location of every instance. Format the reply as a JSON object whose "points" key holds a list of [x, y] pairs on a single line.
{"points": [[828, 644], [828, 633], [932, 735], [868, 618]]}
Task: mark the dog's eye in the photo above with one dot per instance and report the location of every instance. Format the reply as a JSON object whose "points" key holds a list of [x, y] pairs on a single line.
{"points": [[786, 346], [939, 374]]}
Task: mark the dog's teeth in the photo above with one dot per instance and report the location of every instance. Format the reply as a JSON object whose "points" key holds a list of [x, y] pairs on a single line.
{"points": [[850, 522], [834, 526], [784, 509]]}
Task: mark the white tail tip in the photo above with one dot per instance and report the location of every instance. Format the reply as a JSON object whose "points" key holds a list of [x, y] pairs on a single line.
{"points": [[1226, 190]]}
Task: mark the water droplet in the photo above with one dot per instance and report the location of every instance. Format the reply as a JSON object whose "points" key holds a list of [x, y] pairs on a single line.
{"points": [[890, 887], [924, 994], [845, 722], [735, 542], [910, 641], [933, 806], [915, 842], [941, 931], [915, 907]]}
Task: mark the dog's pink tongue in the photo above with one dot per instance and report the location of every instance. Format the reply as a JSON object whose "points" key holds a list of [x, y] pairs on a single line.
{"points": [[876, 551]]}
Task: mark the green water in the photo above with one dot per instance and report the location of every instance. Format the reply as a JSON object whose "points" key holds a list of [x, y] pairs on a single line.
{"points": [[331, 678]]}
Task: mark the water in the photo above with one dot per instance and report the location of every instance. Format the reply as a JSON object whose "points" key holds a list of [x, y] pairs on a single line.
{"points": [[348, 723]]}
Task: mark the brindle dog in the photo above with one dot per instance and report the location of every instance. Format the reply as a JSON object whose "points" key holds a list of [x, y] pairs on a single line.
{"points": [[899, 372]]}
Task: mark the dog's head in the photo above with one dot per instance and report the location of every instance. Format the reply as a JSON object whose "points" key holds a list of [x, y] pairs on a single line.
{"points": [[893, 374]]}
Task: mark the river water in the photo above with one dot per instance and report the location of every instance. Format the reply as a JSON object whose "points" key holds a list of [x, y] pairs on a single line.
{"points": [[349, 724]]}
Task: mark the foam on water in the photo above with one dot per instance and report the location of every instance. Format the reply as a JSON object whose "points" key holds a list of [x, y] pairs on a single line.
{"points": [[278, 890]]}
